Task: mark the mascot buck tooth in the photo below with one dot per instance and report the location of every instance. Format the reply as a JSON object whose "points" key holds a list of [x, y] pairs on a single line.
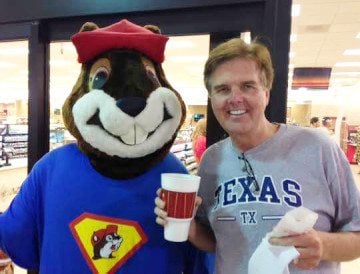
{"points": [[88, 207]]}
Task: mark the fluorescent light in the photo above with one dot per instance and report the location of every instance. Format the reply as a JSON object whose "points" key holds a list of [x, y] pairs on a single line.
{"points": [[14, 51], [60, 63], [293, 38], [295, 10], [246, 37], [187, 59], [179, 44], [352, 52], [5, 65], [346, 73], [347, 64]]}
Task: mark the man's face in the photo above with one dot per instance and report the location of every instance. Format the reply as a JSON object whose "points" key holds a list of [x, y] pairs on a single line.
{"points": [[238, 97]]}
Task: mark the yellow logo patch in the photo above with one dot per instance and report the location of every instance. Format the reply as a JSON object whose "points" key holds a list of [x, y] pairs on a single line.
{"points": [[106, 243]]}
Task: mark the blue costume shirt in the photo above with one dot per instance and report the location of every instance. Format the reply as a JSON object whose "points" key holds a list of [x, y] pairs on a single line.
{"points": [[68, 218]]}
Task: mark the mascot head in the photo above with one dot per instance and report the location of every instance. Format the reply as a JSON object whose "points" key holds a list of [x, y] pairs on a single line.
{"points": [[122, 110]]}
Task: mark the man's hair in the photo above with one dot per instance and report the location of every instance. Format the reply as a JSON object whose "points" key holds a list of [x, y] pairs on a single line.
{"points": [[314, 120], [237, 48]]}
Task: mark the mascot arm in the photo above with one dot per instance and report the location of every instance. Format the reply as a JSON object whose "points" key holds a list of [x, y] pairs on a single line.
{"points": [[18, 224]]}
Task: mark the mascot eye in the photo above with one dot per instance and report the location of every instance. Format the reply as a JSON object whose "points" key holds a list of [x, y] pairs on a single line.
{"points": [[98, 80], [109, 238]]}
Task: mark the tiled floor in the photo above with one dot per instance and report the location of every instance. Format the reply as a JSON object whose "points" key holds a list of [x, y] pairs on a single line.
{"points": [[352, 267]]}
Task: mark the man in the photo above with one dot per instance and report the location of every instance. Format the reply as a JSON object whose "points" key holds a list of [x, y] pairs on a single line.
{"points": [[328, 125], [263, 170]]}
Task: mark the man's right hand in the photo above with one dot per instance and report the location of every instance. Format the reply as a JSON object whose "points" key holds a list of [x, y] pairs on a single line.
{"points": [[160, 205], [159, 209]]}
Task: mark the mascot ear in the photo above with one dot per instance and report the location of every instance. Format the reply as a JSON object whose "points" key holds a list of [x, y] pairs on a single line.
{"points": [[154, 29], [88, 26]]}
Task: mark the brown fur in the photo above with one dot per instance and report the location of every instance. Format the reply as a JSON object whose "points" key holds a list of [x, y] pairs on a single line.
{"points": [[114, 166]]}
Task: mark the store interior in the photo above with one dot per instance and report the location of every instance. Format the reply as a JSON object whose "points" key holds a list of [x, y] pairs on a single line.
{"points": [[324, 34], [327, 40]]}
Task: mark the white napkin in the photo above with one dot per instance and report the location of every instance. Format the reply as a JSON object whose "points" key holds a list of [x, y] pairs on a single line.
{"points": [[273, 259]]}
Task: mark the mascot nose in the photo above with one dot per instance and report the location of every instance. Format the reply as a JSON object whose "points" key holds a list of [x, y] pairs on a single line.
{"points": [[131, 105]]}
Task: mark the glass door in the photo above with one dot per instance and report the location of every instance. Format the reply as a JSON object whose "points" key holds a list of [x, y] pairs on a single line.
{"points": [[13, 121]]}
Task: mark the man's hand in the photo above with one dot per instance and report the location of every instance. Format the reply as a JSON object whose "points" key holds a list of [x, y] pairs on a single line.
{"points": [[159, 209], [309, 245]]}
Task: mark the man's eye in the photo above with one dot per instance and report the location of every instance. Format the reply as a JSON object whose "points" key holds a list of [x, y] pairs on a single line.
{"points": [[223, 90], [249, 87]]}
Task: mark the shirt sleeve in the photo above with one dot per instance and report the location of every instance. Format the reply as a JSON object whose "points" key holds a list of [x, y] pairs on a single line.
{"points": [[19, 234], [344, 191]]}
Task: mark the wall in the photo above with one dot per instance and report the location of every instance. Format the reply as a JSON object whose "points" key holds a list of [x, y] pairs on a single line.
{"points": [[301, 114]]}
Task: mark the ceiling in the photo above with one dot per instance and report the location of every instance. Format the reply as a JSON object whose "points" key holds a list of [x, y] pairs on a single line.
{"points": [[324, 29]]}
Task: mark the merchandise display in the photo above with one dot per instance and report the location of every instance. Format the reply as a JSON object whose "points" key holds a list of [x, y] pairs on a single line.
{"points": [[13, 142]]}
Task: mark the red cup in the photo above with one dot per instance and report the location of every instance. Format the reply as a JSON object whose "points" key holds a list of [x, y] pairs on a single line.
{"points": [[179, 205], [179, 193]]}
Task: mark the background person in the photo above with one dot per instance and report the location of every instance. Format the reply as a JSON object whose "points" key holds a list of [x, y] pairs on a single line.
{"points": [[327, 125], [344, 134], [315, 122], [264, 170], [357, 151], [199, 139], [6, 266]]}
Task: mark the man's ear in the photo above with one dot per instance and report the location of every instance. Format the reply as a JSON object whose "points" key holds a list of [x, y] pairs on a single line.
{"points": [[267, 94], [154, 29], [88, 26]]}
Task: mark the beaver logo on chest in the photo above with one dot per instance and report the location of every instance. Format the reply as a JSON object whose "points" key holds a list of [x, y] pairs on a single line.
{"points": [[105, 242]]}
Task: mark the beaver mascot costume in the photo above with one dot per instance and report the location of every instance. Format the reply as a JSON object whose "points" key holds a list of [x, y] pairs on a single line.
{"points": [[88, 207]]}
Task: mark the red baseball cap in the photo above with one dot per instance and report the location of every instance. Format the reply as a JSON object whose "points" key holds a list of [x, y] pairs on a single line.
{"points": [[121, 35]]}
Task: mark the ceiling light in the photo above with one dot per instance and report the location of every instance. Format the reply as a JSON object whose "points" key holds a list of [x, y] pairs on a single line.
{"points": [[295, 10], [179, 44], [246, 37], [293, 38], [6, 65], [346, 73], [60, 63], [352, 52], [347, 64], [186, 59], [14, 51]]}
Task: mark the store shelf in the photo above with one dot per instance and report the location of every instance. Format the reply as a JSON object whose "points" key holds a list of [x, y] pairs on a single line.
{"points": [[14, 141]]}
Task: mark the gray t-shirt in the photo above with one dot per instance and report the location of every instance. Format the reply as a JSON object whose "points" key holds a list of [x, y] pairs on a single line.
{"points": [[295, 167]]}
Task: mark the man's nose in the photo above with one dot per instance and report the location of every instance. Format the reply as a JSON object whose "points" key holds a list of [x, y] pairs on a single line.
{"points": [[236, 94]]}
